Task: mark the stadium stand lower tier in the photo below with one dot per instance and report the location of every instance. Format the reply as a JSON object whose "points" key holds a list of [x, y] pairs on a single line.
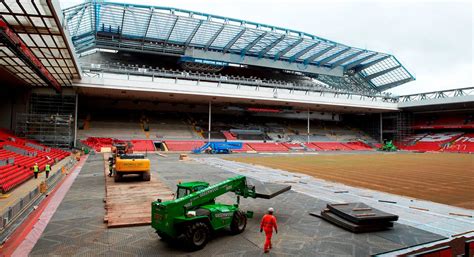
{"points": [[18, 156], [99, 144], [430, 141], [332, 146], [463, 144], [183, 145], [268, 147]]}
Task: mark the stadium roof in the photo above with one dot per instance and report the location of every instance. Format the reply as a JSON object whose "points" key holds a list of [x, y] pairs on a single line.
{"points": [[33, 45], [211, 37]]}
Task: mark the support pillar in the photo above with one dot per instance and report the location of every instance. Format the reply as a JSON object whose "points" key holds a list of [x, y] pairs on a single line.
{"points": [[75, 120], [381, 129], [308, 128], [209, 126]]}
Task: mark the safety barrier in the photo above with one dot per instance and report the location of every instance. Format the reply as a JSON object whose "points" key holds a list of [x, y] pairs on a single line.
{"points": [[25, 203]]}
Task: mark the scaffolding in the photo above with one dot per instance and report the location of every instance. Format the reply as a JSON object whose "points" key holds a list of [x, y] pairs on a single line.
{"points": [[49, 121], [54, 130], [52, 104], [397, 126], [404, 129]]}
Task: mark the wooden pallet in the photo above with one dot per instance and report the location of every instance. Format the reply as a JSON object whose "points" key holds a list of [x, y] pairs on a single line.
{"points": [[128, 203]]}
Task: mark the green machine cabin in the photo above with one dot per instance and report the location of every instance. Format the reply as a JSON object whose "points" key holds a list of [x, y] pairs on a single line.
{"points": [[194, 214]]}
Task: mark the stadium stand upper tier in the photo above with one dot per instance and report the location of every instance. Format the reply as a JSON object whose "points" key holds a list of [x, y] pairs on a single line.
{"points": [[209, 43], [444, 121], [18, 156]]}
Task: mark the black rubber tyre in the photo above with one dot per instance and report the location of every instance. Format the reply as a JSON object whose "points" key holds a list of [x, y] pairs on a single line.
{"points": [[146, 176], [163, 237], [239, 223], [196, 235], [117, 177]]}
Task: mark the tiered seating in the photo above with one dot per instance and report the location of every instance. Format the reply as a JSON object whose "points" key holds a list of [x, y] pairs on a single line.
{"points": [[293, 146], [312, 146], [228, 135], [446, 121], [332, 146], [20, 170], [245, 148], [464, 144], [183, 145], [143, 145], [98, 142], [12, 176], [268, 147], [432, 142], [358, 146]]}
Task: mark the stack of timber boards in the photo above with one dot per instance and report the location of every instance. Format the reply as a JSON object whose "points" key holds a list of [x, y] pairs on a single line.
{"points": [[357, 217], [128, 203]]}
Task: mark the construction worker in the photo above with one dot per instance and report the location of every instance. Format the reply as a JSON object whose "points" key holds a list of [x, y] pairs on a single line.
{"points": [[268, 223], [111, 167], [47, 168], [36, 170]]}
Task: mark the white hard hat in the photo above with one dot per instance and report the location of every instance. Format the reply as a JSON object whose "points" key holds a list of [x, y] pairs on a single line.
{"points": [[270, 209]]}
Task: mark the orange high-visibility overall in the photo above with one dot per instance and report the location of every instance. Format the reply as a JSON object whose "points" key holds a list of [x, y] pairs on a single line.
{"points": [[268, 223]]}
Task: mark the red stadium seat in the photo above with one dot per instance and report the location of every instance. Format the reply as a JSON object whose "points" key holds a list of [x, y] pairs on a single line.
{"points": [[183, 145], [268, 147]]}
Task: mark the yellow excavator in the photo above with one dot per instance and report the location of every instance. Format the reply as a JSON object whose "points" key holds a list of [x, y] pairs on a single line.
{"points": [[127, 163]]}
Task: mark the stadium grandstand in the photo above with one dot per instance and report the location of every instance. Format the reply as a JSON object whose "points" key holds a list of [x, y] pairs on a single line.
{"points": [[77, 81]]}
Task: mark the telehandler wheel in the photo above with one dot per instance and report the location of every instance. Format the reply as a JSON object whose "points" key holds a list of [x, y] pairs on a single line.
{"points": [[146, 176], [239, 222], [163, 236], [117, 177], [197, 235]]}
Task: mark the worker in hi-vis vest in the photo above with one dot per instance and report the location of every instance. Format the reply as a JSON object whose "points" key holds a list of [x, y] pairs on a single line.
{"points": [[36, 170], [47, 168]]}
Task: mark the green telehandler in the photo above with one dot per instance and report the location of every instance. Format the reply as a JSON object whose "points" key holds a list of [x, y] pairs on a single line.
{"points": [[389, 147], [194, 214]]}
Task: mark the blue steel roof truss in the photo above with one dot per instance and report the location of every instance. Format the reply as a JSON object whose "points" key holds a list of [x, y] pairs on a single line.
{"points": [[161, 25]]}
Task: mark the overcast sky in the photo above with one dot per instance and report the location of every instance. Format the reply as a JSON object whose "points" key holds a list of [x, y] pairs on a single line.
{"points": [[432, 39]]}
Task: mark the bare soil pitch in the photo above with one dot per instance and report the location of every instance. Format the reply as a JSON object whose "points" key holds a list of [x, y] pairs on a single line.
{"points": [[441, 178]]}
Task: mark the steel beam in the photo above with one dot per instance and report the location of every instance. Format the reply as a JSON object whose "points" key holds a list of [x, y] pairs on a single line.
{"points": [[380, 73], [261, 62], [332, 57], [148, 24], [252, 44], [369, 64], [304, 51], [233, 40], [123, 19], [193, 33], [318, 54], [361, 60], [345, 59], [393, 84], [270, 46], [213, 38], [16, 44], [171, 30], [288, 48], [80, 19]]}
